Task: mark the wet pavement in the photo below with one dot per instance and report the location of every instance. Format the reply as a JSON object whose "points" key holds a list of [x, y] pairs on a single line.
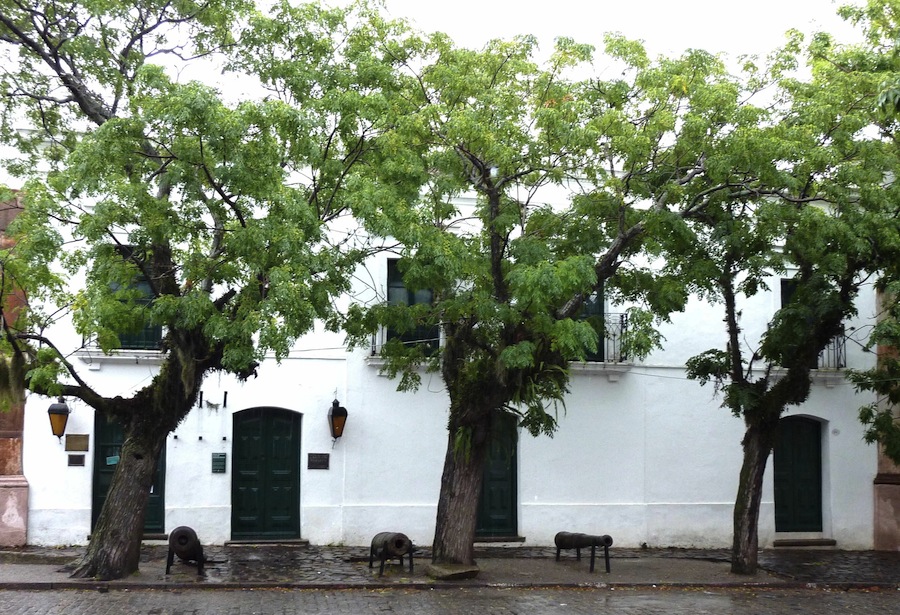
{"points": [[337, 567], [466, 601]]}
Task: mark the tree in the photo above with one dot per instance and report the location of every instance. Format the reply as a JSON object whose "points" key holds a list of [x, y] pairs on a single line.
{"points": [[631, 156], [152, 201], [833, 220], [879, 19]]}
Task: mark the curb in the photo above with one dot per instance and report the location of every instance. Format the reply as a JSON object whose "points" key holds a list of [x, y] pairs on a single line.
{"points": [[104, 586]]}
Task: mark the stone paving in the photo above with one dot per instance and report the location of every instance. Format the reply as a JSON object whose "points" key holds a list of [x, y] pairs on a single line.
{"points": [[476, 601], [834, 567], [347, 567]]}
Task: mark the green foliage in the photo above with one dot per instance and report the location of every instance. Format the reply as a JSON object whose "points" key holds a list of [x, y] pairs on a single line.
{"points": [[580, 185], [825, 217], [641, 337], [879, 419], [881, 426], [12, 379], [156, 201], [712, 365], [462, 443]]}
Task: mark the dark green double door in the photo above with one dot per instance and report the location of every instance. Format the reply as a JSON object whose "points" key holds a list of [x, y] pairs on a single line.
{"points": [[108, 438], [798, 476], [265, 490], [497, 506]]}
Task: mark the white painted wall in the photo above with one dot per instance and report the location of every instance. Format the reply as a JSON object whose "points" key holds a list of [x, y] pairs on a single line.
{"points": [[641, 453]]}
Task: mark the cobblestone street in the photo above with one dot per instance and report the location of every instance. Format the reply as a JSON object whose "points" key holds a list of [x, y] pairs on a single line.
{"points": [[476, 601]]}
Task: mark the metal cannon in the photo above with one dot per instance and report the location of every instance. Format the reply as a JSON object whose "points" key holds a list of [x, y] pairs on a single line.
{"points": [[571, 540], [184, 543], [388, 545]]}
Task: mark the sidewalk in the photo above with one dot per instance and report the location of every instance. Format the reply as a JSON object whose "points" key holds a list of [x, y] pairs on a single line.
{"points": [[309, 567]]}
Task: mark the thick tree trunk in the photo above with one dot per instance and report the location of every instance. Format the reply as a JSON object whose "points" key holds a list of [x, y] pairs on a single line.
{"points": [[114, 550], [457, 513], [758, 442]]}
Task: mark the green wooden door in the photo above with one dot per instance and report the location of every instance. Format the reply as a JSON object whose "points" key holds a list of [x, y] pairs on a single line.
{"points": [[798, 476], [108, 438], [497, 506], [265, 491]]}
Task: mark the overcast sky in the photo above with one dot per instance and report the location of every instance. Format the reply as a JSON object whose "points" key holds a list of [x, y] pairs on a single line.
{"points": [[667, 26]]}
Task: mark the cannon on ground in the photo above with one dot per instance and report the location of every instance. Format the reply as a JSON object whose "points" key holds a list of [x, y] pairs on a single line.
{"points": [[184, 543], [577, 541], [388, 545]]}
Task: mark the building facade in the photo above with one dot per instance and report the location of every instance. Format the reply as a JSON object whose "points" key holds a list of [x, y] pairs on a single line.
{"points": [[641, 453]]}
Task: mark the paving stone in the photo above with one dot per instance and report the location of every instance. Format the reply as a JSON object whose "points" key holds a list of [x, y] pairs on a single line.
{"points": [[343, 566], [451, 572]]}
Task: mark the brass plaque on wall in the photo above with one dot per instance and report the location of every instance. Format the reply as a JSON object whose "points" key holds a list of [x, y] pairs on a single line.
{"points": [[77, 442]]}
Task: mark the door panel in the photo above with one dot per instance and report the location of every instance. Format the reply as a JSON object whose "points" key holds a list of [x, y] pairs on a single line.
{"points": [[497, 506], [108, 438], [266, 474], [798, 476]]}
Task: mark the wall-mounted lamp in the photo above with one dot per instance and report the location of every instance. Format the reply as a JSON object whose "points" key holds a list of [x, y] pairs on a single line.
{"points": [[337, 418], [59, 416]]}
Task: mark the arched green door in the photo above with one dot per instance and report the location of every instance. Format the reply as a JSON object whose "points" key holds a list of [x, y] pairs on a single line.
{"points": [[265, 488], [798, 476], [497, 506], [108, 438]]}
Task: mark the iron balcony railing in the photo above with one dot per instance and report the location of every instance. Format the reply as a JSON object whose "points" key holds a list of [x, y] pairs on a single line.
{"points": [[427, 336], [612, 339], [834, 355], [611, 348]]}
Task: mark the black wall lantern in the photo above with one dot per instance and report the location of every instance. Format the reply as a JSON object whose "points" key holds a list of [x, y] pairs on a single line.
{"points": [[59, 416], [337, 418]]}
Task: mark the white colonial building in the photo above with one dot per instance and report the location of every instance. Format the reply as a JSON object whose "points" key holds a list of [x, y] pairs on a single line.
{"points": [[642, 453]]}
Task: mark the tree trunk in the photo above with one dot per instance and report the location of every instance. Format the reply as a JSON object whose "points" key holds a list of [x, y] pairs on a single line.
{"points": [[758, 442], [457, 513], [115, 547]]}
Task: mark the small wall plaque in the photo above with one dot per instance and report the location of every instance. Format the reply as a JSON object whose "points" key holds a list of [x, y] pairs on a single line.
{"points": [[218, 462], [76, 460], [77, 442], [318, 461]]}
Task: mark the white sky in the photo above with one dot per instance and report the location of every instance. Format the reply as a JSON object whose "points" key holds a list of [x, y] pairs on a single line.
{"points": [[666, 26]]}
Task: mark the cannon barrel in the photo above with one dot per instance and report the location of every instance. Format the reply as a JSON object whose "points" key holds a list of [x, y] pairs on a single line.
{"points": [[386, 545], [570, 540], [574, 540], [184, 542]]}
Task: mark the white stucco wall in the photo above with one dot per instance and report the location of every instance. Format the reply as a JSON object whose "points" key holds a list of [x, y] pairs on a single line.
{"points": [[642, 453]]}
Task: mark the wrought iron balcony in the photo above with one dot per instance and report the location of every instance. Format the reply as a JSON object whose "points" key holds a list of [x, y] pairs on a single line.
{"points": [[834, 355], [612, 329]]}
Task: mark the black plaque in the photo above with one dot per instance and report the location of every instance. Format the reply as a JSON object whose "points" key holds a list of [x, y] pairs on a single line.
{"points": [[318, 461], [76, 460]]}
